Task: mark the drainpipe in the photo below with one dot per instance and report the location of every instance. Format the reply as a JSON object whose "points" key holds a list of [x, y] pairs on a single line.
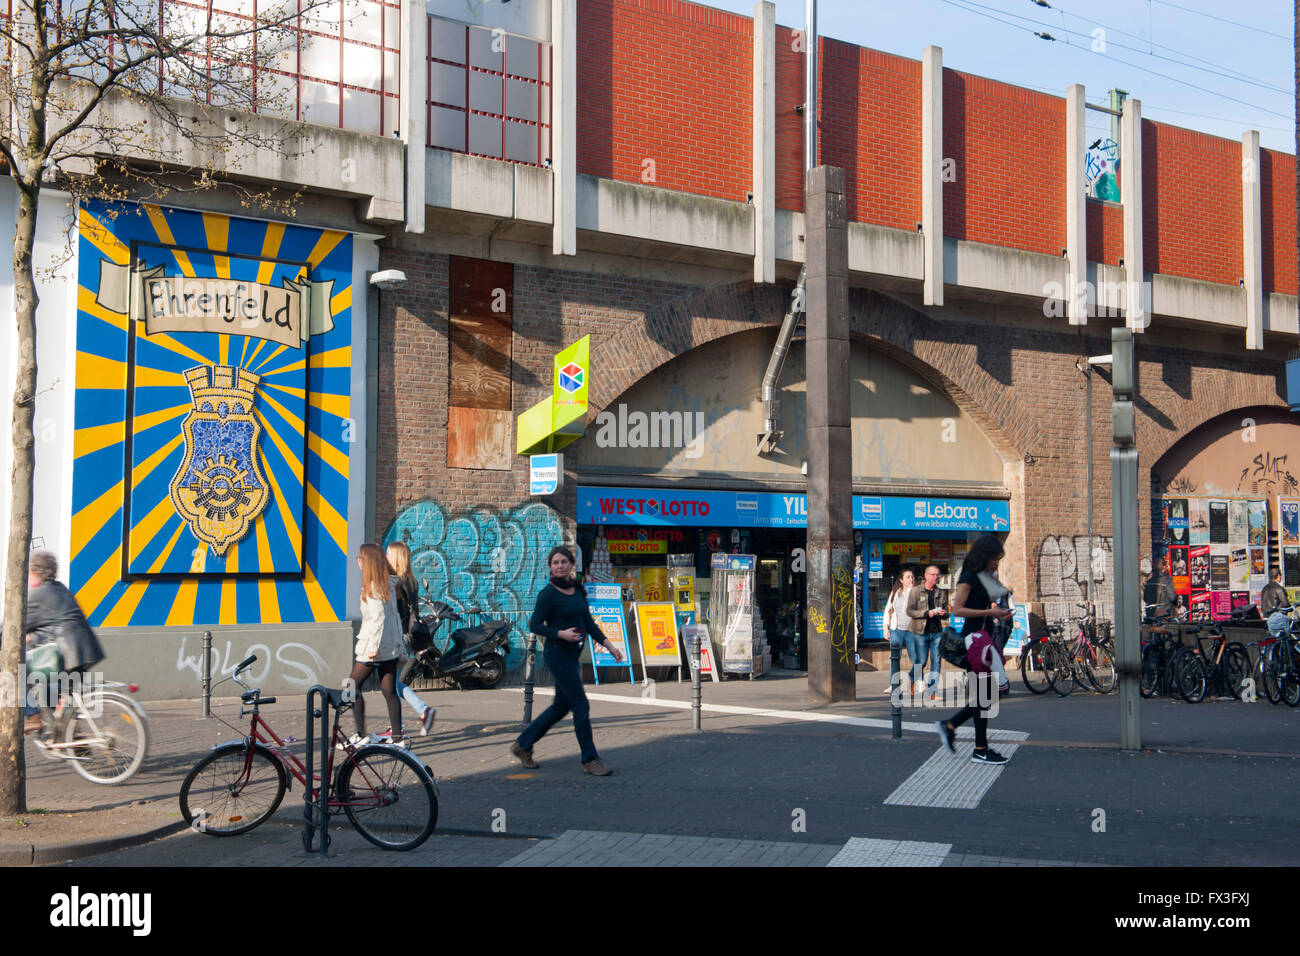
{"points": [[771, 435]]}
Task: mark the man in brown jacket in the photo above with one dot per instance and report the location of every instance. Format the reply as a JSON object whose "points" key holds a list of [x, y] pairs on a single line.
{"points": [[926, 608]]}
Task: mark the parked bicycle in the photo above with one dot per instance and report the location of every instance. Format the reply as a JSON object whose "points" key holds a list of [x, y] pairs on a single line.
{"points": [[1085, 660], [102, 733], [1161, 643], [1222, 669], [1280, 664], [388, 795]]}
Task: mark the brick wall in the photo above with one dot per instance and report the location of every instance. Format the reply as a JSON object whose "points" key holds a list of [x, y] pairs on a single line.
{"points": [[1105, 232], [670, 83], [870, 126], [1277, 189], [1009, 147], [789, 122], [1191, 204]]}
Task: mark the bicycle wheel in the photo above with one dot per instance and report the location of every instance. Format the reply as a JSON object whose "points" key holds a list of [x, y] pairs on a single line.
{"points": [[1190, 677], [1060, 669], [1150, 684], [389, 797], [1234, 669], [110, 736], [1033, 671], [1289, 677], [1101, 670], [228, 793]]}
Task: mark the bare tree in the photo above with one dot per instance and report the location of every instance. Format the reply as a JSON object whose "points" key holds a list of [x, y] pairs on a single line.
{"points": [[123, 99]]}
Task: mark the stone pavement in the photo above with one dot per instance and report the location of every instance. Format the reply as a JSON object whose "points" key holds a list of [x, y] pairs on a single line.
{"points": [[795, 783]]}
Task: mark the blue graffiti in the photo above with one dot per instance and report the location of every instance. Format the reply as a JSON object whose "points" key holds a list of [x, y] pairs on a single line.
{"points": [[480, 560]]}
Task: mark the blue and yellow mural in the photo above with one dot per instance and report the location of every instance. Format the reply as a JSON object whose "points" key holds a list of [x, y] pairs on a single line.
{"points": [[210, 473]]}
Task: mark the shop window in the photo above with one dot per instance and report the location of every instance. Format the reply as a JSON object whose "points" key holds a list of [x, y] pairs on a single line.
{"points": [[478, 394]]}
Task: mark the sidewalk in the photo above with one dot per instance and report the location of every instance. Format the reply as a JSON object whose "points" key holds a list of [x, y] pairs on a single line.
{"points": [[794, 777]]}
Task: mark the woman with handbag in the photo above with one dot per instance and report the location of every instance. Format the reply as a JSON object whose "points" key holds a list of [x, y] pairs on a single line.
{"points": [[971, 601], [399, 559], [898, 624]]}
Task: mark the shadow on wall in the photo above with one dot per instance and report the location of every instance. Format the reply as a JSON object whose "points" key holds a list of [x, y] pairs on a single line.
{"points": [[1063, 576], [481, 560]]}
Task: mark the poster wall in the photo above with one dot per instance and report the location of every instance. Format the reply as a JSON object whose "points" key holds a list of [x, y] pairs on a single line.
{"points": [[1217, 548]]}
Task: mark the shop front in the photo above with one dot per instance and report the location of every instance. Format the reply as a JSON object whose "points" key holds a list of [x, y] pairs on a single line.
{"points": [[637, 536]]}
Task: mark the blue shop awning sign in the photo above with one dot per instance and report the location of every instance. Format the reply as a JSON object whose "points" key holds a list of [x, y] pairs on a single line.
{"points": [[689, 508]]}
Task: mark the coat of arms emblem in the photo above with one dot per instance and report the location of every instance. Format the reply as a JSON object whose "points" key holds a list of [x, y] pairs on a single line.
{"points": [[219, 488]]}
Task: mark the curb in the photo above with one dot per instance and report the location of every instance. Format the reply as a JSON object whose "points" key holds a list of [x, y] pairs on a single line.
{"points": [[32, 855]]}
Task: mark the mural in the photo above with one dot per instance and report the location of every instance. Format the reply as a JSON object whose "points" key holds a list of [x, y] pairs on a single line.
{"points": [[484, 558], [1101, 170], [1063, 575], [213, 378]]}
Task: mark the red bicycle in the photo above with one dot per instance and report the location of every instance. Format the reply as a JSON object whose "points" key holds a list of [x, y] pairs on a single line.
{"points": [[387, 794]]}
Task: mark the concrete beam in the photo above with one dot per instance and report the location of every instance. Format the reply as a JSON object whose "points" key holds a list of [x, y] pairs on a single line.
{"points": [[1076, 205], [1130, 190], [564, 125], [764, 141], [1252, 249], [665, 215], [932, 172], [413, 118]]}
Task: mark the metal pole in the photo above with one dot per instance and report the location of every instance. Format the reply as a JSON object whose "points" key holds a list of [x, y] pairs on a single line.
{"points": [[530, 662], [810, 88], [207, 673], [1128, 605], [695, 682], [895, 692]]}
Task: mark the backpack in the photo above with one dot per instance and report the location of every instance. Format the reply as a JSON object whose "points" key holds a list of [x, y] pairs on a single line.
{"points": [[952, 648]]}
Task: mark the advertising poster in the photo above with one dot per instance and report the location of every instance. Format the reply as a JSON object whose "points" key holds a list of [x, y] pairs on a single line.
{"points": [[941, 552], [1179, 570], [1219, 571], [1240, 599], [706, 649], [1180, 606], [656, 626], [1258, 518], [606, 603], [1239, 569], [1289, 509], [1220, 604], [1199, 521], [1200, 568], [1238, 531], [1020, 630], [1291, 567], [652, 585], [1176, 521], [1218, 522], [1199, 606], [1258, 561]]}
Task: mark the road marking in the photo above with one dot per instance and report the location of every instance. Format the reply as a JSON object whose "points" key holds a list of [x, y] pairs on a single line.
{"points": [[949, 780], [810, 716], [862, 851]]}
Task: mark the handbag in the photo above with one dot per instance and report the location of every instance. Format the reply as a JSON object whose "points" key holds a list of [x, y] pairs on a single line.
{"points": [[44, 660], [952, 648]]}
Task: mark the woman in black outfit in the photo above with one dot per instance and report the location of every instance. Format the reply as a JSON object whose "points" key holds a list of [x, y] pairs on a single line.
{"points": [[971, 601], [563, 618]]}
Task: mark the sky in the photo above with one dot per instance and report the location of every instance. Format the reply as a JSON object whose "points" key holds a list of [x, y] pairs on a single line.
{"points": [[1240, 66]]}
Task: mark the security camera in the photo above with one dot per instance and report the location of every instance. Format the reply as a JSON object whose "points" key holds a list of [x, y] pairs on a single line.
{"points": [[388, 279]]}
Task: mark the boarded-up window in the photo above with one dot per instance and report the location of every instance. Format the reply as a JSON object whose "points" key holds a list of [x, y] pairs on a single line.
{"points": [[478, 395]]}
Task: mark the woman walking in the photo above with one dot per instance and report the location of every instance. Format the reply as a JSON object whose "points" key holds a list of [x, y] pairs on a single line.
{"points": [[399, 559], [563, 618], [971, 601], [379, 641], [898, 624]]}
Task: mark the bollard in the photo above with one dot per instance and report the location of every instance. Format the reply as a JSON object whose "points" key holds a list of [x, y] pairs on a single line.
{"points": [[530, 662], [695, 682], [895, 695], [207, 673]]}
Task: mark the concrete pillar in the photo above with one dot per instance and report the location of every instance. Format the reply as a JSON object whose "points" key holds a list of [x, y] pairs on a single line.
{"points": [[764, 130], [932, 173], [831, 640], [1137, 298], [413, 114], [564, 126], [1252, 250], [1076, 207]]}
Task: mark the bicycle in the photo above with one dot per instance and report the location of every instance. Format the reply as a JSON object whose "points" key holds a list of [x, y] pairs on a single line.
{"points": [[1159, 650], [102, 733], [389, 796], [1225, 675], [1033, 664], [1281, 668], [1087, 662]]}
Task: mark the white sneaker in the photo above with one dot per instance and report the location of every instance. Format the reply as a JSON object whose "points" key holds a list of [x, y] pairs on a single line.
{"points": [[426, 722], [356, 740]]}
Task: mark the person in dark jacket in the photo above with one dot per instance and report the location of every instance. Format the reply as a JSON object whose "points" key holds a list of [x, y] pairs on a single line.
{"points": [[1274, 597], [563, 618], [53, 615]]}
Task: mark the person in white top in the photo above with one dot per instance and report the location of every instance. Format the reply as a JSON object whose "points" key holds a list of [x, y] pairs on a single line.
{"points": [[896, 621], [379, 640]]}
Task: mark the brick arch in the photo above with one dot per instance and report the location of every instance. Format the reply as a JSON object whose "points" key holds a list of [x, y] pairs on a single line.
{"points": [[879, 321], [1158, 442]]}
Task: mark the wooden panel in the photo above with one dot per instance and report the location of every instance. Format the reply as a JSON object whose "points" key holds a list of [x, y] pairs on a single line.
{"points": [[478, 438], [473, 285], [480, 371]]}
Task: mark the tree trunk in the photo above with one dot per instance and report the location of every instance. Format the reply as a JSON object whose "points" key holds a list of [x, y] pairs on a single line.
{"points": [[13, 777]]}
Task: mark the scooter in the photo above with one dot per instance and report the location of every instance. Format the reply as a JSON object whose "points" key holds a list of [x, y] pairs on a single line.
{"points": [[476, 657]]}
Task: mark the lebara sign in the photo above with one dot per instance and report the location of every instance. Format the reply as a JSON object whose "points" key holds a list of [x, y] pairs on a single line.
{"points": [[657, 506]]}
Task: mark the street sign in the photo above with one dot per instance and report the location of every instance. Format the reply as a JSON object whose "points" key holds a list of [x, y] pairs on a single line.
{"points": [[545, 474]]}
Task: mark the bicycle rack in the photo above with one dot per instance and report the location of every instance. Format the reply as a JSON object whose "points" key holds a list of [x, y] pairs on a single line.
{"points": [[316, 815]]}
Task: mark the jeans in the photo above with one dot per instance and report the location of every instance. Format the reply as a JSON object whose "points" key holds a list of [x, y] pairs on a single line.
{"points": [[905, 639], [569, 696], [926, 644], [412, 699]]}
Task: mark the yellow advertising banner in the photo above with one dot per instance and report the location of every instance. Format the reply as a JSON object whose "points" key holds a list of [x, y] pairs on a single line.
{"points": [[627, 546], [909, 550], [656, 627]]}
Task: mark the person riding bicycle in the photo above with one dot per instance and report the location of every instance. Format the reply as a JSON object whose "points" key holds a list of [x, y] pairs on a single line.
{"points": [[53, 616]]}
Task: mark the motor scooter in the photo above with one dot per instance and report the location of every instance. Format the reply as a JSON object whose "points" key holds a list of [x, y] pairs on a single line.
{"points": [[475, 658]]}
